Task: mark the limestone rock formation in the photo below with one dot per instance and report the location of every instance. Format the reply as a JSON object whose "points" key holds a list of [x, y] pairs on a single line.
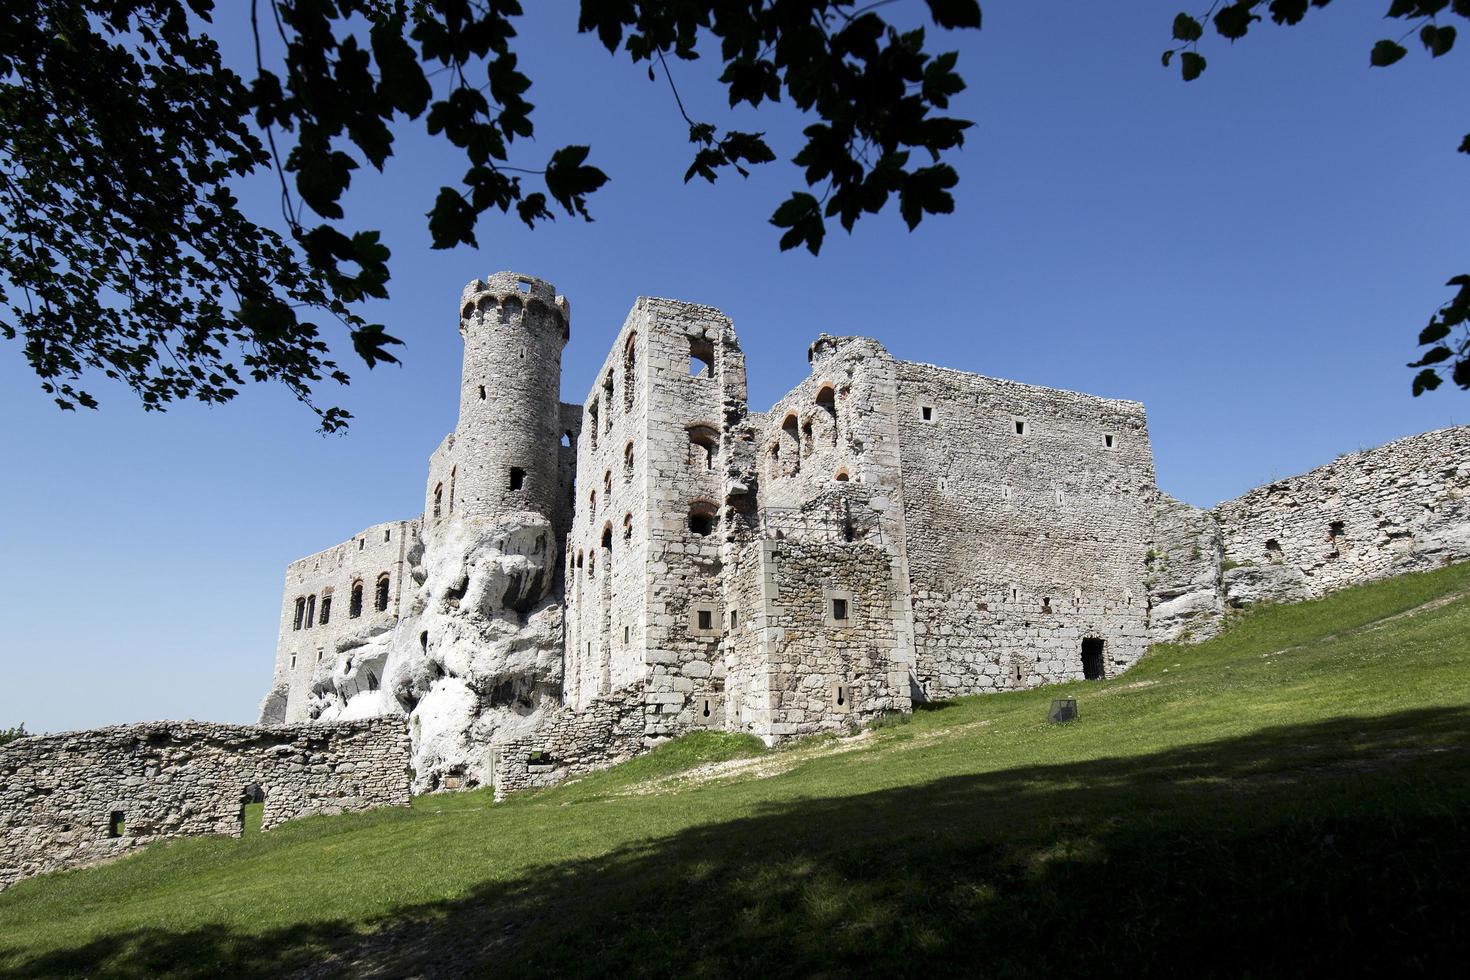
{"points": [[1251, 585]]}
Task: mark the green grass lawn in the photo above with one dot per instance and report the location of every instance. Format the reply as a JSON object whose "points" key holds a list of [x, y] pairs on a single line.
{"points": [[1290, 798]]}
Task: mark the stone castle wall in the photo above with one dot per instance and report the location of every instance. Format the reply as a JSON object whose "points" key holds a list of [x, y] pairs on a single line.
{"points": [[80, 797], [1401, 507], [573, 742], [1027, 517]]}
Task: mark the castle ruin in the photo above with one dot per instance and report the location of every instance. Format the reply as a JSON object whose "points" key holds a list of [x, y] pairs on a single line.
{"points": [[590, 579]]}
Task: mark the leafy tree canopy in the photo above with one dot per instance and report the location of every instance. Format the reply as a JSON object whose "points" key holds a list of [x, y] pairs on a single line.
{"points": [[11, 734], [126, 252], [1447, 335]]}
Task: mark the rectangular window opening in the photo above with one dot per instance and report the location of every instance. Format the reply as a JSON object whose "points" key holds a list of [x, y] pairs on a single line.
{"points": [[839, 609], [1108, 440], [117, 824], [734, 618], [517, 478], [927, 412], [706, 619], [1020, 427]]}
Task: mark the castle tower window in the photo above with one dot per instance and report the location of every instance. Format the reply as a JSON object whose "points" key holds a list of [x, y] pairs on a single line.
{"points": [[438, 498], [926, 412], [380, 598], [627, 527], [607, 390], [607, 484], [806, 437], [592, 504], [706, 619], [1020, 427], [453, 475], [388, 535], [841, 476], [517, 478], [117, 824], [702, 517], [482, 392], [310, 611], [372, 680], [592, 422], [319, 652], [1273, 549], [701, 358], [734, 618], [1109, 440], [626, 633], [566, 439], [326, 616], [607, 536], [1092, 659], [1334, 530], [792, 443], [424, 641], [628, 462], [293, 661], [704, 442], [300, 613], [354, 601], [827, 401], [839, 609]]}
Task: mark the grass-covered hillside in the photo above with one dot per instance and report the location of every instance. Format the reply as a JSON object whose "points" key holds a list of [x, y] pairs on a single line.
{"points": [[1293, 797]]}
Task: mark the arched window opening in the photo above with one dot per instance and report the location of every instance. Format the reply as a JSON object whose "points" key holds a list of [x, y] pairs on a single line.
{"points": [[628, 462], [607, 484], [592, 505], [627, 527], [704, 442], [310, 611], [381, 598], [702, 517], [566, 439], [630, 364], [354, 601], [580, 556], [827, 400], [300, 613], [438, 497], [592, 419], [1273, 549], [607, 391], [607, 536], [326, 616], [842, 476], [791, 442], [806, 437], [701, 358]]}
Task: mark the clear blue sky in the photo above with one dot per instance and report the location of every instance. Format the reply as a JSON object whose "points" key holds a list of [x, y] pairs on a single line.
{"points": [[1249, 255]]}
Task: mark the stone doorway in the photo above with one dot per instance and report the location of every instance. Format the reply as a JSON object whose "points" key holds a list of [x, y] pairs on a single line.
{"points": [[1092, 659]]}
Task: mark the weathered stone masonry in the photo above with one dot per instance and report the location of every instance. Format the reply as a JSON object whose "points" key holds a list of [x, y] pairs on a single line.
{"points": [[888, 532], [80, 797]]}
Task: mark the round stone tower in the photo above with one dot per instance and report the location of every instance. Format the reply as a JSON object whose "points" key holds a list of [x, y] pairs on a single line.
{"points": [[505, 448]]}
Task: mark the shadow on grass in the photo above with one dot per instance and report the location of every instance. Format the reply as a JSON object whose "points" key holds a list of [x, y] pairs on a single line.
{"points": [[1333, 847]]}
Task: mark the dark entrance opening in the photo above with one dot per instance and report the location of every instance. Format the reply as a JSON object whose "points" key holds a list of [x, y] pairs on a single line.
{"points": [[1092, 658], [252, 808]]}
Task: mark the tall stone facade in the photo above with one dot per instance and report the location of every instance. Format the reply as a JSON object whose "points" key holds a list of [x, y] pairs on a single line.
{"points": [[589, 579]]}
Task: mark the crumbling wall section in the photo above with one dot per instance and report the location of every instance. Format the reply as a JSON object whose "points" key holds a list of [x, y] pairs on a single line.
{"points": [[573, 742], [80, 797], [1401, 507]]}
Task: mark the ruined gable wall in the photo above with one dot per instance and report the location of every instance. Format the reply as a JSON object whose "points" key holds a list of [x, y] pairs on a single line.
{"points": [[998, 522], [1401, 507], [380, 549], [171, 779]]}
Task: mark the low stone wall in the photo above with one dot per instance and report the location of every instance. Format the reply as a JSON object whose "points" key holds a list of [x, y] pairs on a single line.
{"points": [[572, 743], [81, 797], [1185, 601]]}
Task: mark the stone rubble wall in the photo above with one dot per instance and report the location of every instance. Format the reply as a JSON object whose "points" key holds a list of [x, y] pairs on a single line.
{"points": [[1400, 507], [572, 742], [58, 793]]}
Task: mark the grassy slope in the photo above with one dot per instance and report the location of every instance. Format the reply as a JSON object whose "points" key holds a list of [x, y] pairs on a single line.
{"points": [[1224, 808]]}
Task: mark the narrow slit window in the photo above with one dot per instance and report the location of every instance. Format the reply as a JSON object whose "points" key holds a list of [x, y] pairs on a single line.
{"points": [[734, 618], [326, 616], [310, 611], [482, 392], [354, 602], [300, 613], [381, 599]]}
